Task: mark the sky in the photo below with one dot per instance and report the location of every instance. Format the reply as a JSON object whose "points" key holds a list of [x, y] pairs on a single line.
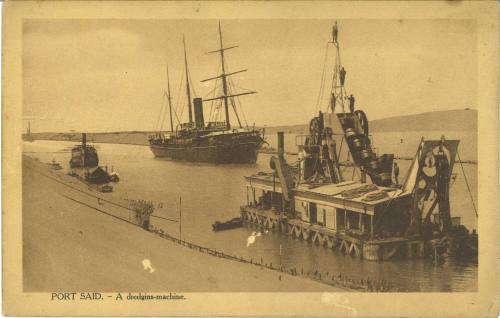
{"points": [[110, 75]]}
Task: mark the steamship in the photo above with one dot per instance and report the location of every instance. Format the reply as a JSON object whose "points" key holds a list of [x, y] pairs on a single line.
{"points": [[213, 141]]}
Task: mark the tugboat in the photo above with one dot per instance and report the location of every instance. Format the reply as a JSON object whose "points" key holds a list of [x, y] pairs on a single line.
{"points": [[215, 141], [84, 164], [369, 217], [84, 156]]}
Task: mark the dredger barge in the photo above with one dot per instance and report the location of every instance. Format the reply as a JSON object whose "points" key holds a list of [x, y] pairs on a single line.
{"points": [[373, 218]]}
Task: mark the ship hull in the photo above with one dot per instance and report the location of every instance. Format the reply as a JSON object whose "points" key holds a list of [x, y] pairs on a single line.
{"points": [[240, 153]]}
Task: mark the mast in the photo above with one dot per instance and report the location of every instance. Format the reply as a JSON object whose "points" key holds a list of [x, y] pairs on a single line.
{"points": [[29, 130], [224, 81], [226, 95], [169, 102], [338, 93], [188, 90]]}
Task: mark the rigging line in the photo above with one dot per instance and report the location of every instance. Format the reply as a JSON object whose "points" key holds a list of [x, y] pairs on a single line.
{"points": [[467, 184], [336, 69], [161, 112], [322, 83], [164, 113], [238, 86], [235, 106], [177, 117], [180, 100], [191, 83], [218, 106], [213, 96], [209, 93], [176, 108], [212, 103], [92, 195], [242, 111]]}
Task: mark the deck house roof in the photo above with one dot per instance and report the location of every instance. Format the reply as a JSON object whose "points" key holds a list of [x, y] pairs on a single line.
{"points": [[330, 194]]}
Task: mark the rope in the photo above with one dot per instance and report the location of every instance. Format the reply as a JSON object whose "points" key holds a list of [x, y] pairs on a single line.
{"points": [[467, 184], [191, 83], [313, 275], [102, 211], [162, 122], [160, 115], [322, 85], [238, 102]]}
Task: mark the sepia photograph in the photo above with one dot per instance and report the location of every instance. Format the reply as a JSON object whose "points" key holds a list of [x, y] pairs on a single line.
{"points": [[161, 159]]}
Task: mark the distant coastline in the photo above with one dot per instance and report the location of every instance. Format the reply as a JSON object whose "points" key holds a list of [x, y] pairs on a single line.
{"points": [[449, 120]]}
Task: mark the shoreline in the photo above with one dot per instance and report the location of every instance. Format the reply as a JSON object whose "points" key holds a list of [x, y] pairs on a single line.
{"points": [[58, 251], [267, 150]]}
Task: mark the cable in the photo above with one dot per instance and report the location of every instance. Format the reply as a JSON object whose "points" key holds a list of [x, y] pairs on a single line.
{"points": [[467, 184], [102, 211], [162, 120], [161, 112], [94, 196], [322, 84]]}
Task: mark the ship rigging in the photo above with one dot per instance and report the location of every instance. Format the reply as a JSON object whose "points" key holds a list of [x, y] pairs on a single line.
{"points": [[215, 141]]}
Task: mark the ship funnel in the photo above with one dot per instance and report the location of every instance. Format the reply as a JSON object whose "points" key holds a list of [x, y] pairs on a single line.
{"points": [[198, 112], [281, 144]]}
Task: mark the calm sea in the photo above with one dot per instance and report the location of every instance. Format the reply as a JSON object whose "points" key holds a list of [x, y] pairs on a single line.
{"points": [[211, 192]]}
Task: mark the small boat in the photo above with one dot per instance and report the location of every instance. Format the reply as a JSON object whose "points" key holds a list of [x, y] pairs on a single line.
{"points": [[231, 224], [84, 155], [56, 165], [106, 188]]}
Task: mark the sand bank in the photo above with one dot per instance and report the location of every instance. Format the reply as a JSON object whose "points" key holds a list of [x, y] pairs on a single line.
{"points": [[68, 246]]}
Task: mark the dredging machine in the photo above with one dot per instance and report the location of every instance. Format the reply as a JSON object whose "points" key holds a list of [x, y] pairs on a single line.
{"points": [[373, 217]]}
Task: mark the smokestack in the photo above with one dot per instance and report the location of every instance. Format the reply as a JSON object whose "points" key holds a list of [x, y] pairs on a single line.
{"points": [[281, 144], [198, 112]]}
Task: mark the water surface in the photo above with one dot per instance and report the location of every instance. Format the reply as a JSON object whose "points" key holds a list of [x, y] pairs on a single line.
{"points": [[215, 192]]}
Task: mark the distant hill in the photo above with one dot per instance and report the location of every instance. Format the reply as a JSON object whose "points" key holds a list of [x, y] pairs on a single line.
{"points": [[446, 120]]}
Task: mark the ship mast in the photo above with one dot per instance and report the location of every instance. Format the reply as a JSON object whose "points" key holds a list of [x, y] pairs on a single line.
{"points": [[169, 97], [338, 93], [225, 92], [188, 89], [224, 80]]}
